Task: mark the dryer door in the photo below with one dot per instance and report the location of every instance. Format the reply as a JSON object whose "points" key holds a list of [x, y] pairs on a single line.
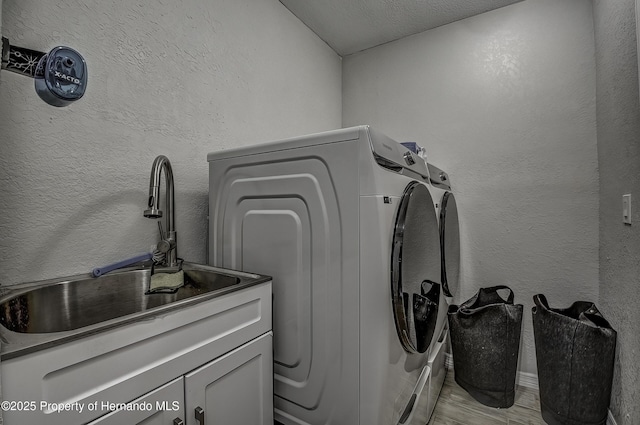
{"points": [[449, 244], [415, 269]]}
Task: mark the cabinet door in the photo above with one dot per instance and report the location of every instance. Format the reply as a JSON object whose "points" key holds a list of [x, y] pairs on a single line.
{"points": [[162, 406], [235, 389]]}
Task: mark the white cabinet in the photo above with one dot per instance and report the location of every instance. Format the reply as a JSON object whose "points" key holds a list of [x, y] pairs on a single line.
{"points": [[235, 389], [145, 358], [163, 406]]}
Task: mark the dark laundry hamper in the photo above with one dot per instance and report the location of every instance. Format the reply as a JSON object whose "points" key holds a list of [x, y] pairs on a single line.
{"points": [[575, 351], [485, 340]]}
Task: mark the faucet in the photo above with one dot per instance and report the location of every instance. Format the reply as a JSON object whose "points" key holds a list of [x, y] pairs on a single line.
{"points": [[168, 243]]}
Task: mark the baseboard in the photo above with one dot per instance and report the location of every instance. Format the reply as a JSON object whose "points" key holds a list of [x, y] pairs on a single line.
{"points": [[448, 361], [527, 380]]}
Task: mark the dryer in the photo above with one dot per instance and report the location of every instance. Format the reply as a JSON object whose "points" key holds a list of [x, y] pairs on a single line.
{"points": [[345, 223], [447, 212]]}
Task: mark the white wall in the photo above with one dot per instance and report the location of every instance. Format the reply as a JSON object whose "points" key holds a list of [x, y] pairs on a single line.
{"points": [[505, 103], [174, 78], [618, 111], [1, 420], [0, 32]]}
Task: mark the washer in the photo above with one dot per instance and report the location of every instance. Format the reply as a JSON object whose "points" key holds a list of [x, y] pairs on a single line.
{"points": [[345, 223]]}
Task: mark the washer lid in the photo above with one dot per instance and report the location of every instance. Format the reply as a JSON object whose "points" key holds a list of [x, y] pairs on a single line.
{"points": [[415, 269], [449, 244]]}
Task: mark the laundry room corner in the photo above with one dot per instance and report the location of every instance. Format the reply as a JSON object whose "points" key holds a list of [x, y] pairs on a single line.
{"points": [[505, 103], [618, 110]]}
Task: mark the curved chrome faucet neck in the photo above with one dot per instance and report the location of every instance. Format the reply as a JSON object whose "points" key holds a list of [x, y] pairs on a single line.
{"points": [[162, 163]]}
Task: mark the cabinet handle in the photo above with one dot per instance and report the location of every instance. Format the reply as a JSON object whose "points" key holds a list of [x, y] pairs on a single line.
{"points": [[178, 421], [200, 415]]}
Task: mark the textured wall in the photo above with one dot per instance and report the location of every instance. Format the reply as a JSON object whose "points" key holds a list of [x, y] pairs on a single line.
{"points": [[505, 103], [1, 420], [0, 41], [174, 78], [618, 115]]}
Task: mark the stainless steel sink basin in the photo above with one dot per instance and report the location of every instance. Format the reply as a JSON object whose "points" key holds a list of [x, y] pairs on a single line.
{"points": [[70, 307]]}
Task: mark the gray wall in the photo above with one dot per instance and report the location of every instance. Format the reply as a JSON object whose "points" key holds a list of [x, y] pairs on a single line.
{"points": [[619, 163], [0, 33], [174, 78], [1, 138], [505, 103]]}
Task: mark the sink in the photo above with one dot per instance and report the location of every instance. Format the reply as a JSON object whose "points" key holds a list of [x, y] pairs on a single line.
{"points": [[39, 315], [77, 303]]}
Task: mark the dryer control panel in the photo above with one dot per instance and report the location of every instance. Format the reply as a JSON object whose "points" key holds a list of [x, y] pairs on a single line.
{"points": [[392, 155], [438, 177]]}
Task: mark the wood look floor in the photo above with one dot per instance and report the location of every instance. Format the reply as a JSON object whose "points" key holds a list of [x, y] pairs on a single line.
{"points": [[456, 407]]}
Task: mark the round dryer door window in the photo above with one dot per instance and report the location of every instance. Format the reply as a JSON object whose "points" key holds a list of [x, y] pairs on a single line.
{"points": [[416, 269], [449, 244]]}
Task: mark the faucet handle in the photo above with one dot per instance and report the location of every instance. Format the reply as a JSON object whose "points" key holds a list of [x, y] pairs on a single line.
{"points": [[165, 245]]}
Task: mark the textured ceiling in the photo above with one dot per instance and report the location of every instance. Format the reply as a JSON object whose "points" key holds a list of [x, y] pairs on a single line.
{"points": [[349, 26]]}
